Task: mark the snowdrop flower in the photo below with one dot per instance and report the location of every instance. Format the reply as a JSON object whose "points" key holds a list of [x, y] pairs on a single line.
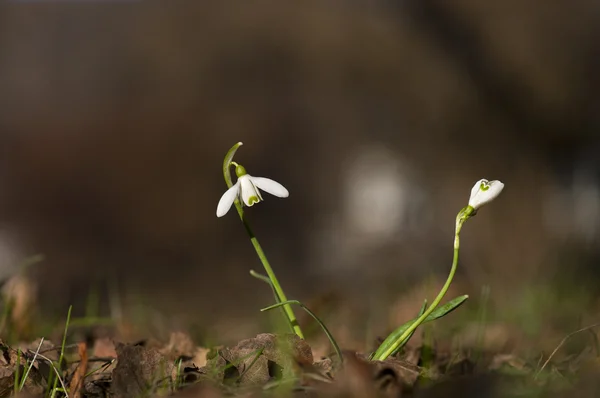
{"points": [[483, 192], [246, 189]]}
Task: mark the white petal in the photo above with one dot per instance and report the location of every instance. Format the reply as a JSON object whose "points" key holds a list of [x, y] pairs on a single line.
{"points": [[484, 191], [476, 188], [250, 193], [270, 186], [227, 199], [495, 188]]}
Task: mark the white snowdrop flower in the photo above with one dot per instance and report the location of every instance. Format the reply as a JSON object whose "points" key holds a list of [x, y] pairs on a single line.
{"points": [[246, 189], [483, 192]]}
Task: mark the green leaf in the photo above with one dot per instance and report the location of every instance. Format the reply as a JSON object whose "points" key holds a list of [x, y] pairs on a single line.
{"points": [[436, 314], [421, 312], [266, 280], [261, 277]]}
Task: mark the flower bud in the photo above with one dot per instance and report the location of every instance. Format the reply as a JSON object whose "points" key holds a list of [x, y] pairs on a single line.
{"points": [[484, 191]]}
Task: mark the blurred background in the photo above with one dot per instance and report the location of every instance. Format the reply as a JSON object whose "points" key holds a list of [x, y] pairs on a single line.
{"points": [[378, 116]]}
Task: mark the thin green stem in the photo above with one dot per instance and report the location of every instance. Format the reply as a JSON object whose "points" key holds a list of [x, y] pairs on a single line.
{"points": [[287, 309], [462, 216], [274, 282]]}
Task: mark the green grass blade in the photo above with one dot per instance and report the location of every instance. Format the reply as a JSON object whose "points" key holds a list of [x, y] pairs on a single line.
{"points": [[62, 348], [436, 314], [316, 318]]}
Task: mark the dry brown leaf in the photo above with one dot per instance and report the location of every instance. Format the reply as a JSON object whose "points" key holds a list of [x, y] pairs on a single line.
{"points": [[9, 363], [138, 370], [180, 345], [258, 360], [79, 375], [104, 348], [355, 379], [396, 374]]}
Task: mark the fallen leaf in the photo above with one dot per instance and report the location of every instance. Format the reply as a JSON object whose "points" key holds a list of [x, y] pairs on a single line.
{"points": [[138, 370], [10, 363], [260, 359], [77, 380], [104, 348]]}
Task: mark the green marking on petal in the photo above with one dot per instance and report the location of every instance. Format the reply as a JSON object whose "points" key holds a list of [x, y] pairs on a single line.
{"points": [[484, 186], [252, 200]]}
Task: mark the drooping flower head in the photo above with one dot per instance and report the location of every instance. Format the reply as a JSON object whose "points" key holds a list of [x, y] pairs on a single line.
{"points": [[246, 189]]}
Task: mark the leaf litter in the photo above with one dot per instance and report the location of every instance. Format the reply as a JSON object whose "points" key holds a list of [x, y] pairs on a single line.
{"points": [[283, 365]]}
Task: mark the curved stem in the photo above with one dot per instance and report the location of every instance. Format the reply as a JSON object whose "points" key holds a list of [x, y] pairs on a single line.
{"points": [[462, 216]]}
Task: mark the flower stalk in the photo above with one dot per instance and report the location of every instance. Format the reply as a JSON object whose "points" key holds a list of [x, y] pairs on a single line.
{"points": [[483, 192], [241, 172], [461, 218]]}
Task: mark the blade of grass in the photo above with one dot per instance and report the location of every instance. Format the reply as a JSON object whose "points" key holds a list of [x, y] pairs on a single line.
{"points": [[62, 347], [305, 308]]}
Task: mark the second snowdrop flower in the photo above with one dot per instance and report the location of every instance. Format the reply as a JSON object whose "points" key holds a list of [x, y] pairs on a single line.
{"points": [[483, 192], [246, 190]]}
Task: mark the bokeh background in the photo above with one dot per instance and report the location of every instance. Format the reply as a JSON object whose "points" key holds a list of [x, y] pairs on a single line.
{"points": [[378, 116]]}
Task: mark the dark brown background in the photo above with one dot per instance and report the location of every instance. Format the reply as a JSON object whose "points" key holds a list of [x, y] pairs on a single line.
{"points": [[115, 117]]}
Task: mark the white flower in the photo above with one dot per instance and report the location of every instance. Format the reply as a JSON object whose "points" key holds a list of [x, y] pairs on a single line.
{"points": [[246, 189], [484, 191]]}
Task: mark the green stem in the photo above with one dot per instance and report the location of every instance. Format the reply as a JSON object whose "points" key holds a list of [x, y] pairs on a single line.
{"points": [[287, 308], [462, 216], [289, 312]]}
